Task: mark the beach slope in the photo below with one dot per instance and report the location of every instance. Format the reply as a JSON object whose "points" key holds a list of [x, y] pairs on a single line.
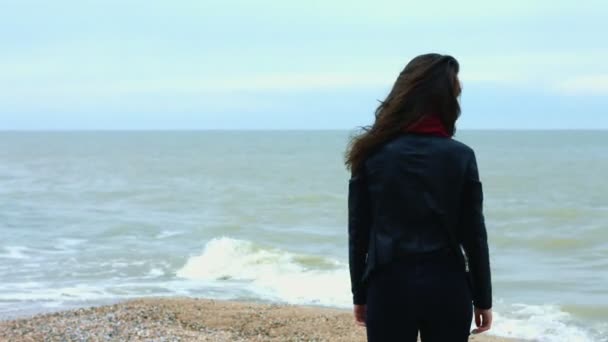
{"points": [[191, 319]]}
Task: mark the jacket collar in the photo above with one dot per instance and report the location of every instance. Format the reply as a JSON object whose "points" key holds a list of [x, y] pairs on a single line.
{"points": [[429, 124]]}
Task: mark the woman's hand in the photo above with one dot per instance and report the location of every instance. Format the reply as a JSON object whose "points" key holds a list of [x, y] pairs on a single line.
{"points": [[483, 320], [360, 315]]}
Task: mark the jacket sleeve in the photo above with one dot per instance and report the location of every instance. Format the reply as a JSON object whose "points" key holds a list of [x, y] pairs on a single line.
{"points": [[475, 240], [359, 222]]}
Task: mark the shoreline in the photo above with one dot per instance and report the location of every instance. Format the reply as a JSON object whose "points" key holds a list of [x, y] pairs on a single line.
{"points": [[192, 319]]}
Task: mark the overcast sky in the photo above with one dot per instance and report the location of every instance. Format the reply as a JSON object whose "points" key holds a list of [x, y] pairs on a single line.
{"points": [[244, 64]]}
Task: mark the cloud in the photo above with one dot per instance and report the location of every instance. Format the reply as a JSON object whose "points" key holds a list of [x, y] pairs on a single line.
{"points": [[584, 85]]}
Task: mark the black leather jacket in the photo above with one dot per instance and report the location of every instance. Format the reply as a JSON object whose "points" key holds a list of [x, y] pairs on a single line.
{"points": [[403, 200]]}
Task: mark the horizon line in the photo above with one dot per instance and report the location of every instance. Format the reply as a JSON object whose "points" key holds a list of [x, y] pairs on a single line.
{"points": [[76, 130]]}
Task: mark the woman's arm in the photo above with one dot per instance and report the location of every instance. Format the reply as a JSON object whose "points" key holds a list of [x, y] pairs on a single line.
{"points": [[359, 222], [475, 240]]}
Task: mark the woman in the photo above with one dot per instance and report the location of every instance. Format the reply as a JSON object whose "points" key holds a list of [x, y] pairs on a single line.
{"points": [[415, 203]]}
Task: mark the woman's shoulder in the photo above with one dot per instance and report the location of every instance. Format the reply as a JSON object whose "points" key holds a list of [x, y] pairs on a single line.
{"points": [[457, 144], [430, 140], [413, 145]]}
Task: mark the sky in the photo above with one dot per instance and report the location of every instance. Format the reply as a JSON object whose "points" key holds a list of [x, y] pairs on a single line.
{"points": [[244, 64]]}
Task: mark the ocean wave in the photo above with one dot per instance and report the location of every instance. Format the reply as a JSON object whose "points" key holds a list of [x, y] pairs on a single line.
{"points": [[15, 252], [547, 323], [281, 276], [229, 268], [155, 272], [68, 243], [168, 233], [272, 273], [40, 292]]}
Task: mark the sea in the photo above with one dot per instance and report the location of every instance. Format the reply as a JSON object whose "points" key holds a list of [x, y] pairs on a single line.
{"points": [[94, 217]]}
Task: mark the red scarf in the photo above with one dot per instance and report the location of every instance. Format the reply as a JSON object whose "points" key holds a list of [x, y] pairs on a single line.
{"points": [[428, 124]]}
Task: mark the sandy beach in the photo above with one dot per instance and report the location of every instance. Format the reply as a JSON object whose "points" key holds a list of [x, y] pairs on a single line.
{"points": [[191, 319]]}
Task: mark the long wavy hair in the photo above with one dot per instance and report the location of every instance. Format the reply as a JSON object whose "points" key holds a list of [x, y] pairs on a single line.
{"points": [[428, 85]]}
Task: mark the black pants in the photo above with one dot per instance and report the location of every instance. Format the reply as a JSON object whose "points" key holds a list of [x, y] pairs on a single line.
{"points": [[425, 293]]}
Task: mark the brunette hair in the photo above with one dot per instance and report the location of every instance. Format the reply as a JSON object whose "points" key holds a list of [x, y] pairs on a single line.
{"points": [[427, 85]]}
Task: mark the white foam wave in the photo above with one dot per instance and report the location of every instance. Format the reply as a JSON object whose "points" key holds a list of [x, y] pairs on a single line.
{"points": [[277, 275], [68, 243], [546, 323], [156, 272], [273, 274], [15, 252], [168, 233], [42, 292], [75, 292]]}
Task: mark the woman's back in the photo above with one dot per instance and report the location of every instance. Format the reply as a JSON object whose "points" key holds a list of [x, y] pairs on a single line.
{"points": [[415, 202], [412, 181]]}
